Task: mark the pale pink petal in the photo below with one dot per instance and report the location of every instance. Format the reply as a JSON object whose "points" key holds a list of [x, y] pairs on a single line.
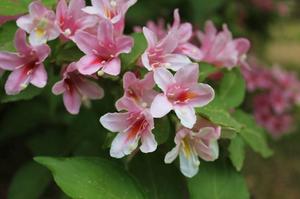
{"points": [[61, 11], [36, 9], [189, 166], [185, 32], [90, 89], [88, 65], [126, 103], [39, 76], [160, 106], [115, 122], [25, 23], [91, 10], [148, 81], [187, 115], [150, 37], [190, 50], [124, 44], [189, 74], [145, 61], [105, 32], [172, 155], [149, 143], [75, 7], [86, 42], [21, 44], [205, 94], [242, 45], [163, 78], [16, 82], [10, 61], [129, 78], [175, 61], [59, 88], [36, 39], [169, 43], [42, 52], [72, 101], [122, 146], [112, 67]]}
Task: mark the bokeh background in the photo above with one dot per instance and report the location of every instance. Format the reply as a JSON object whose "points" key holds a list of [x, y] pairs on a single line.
{"points": [[274, 30]]}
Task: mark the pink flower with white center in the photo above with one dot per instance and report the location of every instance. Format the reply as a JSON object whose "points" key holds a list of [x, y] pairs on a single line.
{"points": [[139, 90], [221, 49], [190, 145], [102, 50], [182, 93], [39, 23], [185, 33], [71, 18], [26, 65], [76, 88], [134, 125], [112, 10], [160, 52]]}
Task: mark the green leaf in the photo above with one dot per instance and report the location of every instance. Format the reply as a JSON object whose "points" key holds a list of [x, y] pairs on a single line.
{"points": [[7, 34], [217, 181], [237, 152], [206, 70], [160, 181], [29, 182], [252, 134], [15, 7], [26, 94], [232, 89], [91, 178], [162, 130], [140, 45], [215, 113]]}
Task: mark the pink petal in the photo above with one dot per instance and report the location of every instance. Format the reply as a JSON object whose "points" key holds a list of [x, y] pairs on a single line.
{"points": [[242, 45], [176, 61], [10, 61], [90, 89], [121, 146], [172, 155], [42, 52], [37, 40], [112, 67], [149, 143], [124, 44], [75, 8], [36, 9], [163, 78], [169, 43], [16, 82], [150, 37], [115, 122], [25, 23], [188, 74], [59, 88], [148, 81], [39, 76], [86, 42], [185, 32], [91, 10], [187, 115], [105, 32], [189, 166], [72, 101], [129, 78], [89, 64], [205, 94], [21, 44], [190, 50], [126, 103], [145, 61], [160, 106], [61, 11]]}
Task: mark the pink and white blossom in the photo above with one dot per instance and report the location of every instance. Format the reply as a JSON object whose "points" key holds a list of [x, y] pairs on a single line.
{"points": [[139, 90], [134, 125], [26, 65], [192, 144], [76, 88], [70, 18], [112, 10], [39, 23], [220, 49], [181, 93], [102, 50]]}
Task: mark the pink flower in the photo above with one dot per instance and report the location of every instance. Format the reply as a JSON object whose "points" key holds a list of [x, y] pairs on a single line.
{"points": [[112, 10], [102, 50], [39, 23], [220, 49], [26, 65], [181, 93], [133, 125], [160, 53], [76, 88], [184, 35], [71, 18], [191, 144], [140, 91]]}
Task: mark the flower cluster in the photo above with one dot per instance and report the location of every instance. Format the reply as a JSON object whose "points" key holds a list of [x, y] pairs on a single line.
{"points": [[170, 83], [277, 92]]}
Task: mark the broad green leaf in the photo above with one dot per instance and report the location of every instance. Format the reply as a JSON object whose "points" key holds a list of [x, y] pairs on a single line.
{"points": [[162, 130], [91, 178], [140, 45], [159, 180], [232, 89], [29, 182], [7, 34], [26, 94], [217, 181], [237, 152], [252, 134], [15, 7], [215, 113], [206, 70]]}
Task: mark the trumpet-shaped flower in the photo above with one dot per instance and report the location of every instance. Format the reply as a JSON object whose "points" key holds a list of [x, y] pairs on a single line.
{"points": [[102, 50], [140, 91], [76, 88], [160, 52], [70, 18], [26, 65], [133, 125], [192, 144], [181, 93], [221, 49], [39, 23], [112, 10]]}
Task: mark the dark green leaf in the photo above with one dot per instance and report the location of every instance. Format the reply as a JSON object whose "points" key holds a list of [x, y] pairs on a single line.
{"points": [[253, 134], [7, 34], [29, 182], [26, 94], [91, 178], [217, 182], [162, 130], [237, 152]]}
